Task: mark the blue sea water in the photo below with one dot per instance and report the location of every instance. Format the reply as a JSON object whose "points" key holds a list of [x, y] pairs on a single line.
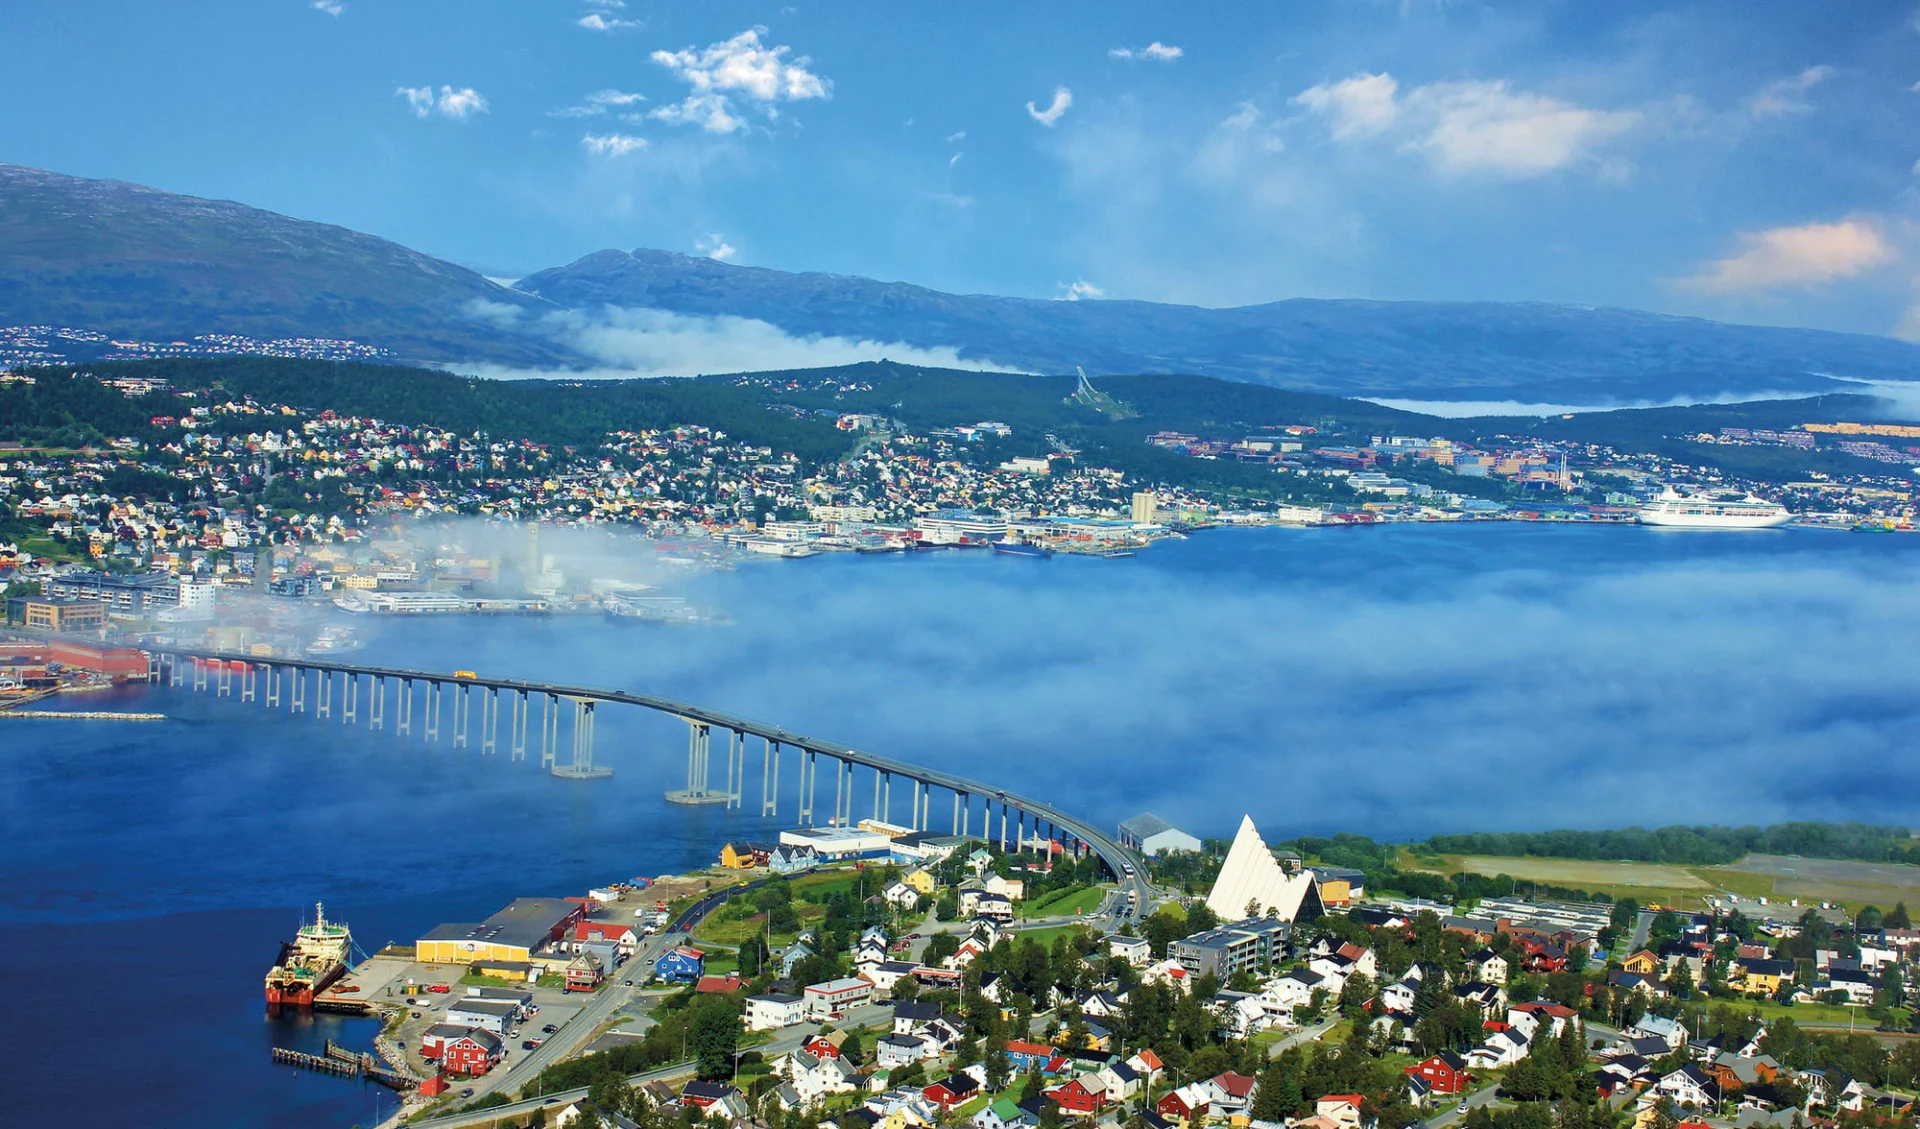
{"points": [[1395, 681]]}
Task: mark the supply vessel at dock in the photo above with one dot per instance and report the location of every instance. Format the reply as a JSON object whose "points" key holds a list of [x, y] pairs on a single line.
{"points": [[310, 963]]}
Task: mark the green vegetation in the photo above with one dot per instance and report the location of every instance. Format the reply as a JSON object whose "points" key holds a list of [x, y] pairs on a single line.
{"points": [[1705, 846], [1068, 900]]}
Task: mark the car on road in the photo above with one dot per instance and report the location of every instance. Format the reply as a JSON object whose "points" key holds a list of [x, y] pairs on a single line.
{"points": [[529, 1044], [549, 1029], [513, 1033], [1461, 1108], [467, 1093], [629, 983]]}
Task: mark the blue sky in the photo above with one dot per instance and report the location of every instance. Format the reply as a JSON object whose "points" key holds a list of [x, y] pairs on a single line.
{"points": [[1751, 161]]}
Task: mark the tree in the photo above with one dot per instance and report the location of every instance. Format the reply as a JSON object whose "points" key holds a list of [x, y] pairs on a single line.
{"points": [[713, 1034], [999, 1067], [1680, 980], [1270, 1097], [1355, 995], [1897, 918]]}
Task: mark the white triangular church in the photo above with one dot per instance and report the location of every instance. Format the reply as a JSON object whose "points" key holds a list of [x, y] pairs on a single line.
{"points": [[1251, 876]]}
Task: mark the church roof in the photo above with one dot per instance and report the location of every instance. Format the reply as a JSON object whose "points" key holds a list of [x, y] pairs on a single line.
{"points": [[1252, 876]]}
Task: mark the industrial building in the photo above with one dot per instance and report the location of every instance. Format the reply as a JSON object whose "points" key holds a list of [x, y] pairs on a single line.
{"points": [[1151, 835], [47, 614], [839, 842], [514, 934]]}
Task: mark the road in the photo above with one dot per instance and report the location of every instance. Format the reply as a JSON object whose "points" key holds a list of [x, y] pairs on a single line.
{"points": [[524, 1066], [1304, 1035], [783, 1041]]}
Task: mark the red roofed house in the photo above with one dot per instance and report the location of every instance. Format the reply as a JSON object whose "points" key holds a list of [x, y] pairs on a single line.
{"points": [[1342, 1108], [1148, 1066], [1444, 1073], [622, 936], [1232, 1092], [710, 985]]}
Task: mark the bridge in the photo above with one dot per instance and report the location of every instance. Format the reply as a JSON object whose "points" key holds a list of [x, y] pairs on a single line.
{"points": [[442, 703]]}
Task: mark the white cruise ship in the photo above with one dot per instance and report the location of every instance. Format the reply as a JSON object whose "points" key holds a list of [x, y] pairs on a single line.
{"points": [[1704, 511]]}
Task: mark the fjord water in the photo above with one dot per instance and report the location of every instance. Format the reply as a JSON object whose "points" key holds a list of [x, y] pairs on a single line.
{"points": [[1396, 681]]}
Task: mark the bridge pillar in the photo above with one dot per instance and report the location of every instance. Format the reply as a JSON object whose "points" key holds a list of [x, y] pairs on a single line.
{"points": [[876, 793], [173, 670], [1003, 824], [273, 686], [489, 719], [886, 791], [460, 716], [299, 703], [769, 778], [246, 682], [405, 703], [809, 781], [224, 688], [433, 712], [521, 708], [323, 686], [350, 692], [549, 731], [582, 764], [376, 702]]}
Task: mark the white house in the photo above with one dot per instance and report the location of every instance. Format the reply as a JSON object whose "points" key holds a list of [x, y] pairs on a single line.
{"points": [[1502, 1048], [1669, 1031], [774, 1009], [1134, 950], [901, 895]]}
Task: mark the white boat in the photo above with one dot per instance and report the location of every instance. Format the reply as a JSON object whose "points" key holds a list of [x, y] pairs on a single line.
{"points": [[1713, 511]]}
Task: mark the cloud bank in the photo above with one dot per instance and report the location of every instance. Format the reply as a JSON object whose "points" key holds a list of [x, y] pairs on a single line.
{"points": [[641, 342], [1808, 254]]}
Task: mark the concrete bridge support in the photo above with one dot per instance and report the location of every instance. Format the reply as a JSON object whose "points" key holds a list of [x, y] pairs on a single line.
{"points": [[405, 702], [549, 731], [460, 715], [273, 687], [518, 723], [376, 703], [433, 712], [323, 686], [298, 704], [770, 779]]}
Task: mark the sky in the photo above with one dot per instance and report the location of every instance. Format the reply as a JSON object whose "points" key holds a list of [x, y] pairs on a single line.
{"points": [[1750, 161]]}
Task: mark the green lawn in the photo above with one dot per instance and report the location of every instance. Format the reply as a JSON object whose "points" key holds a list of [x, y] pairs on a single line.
{"points": [[1072, 900], [1045, 936]]}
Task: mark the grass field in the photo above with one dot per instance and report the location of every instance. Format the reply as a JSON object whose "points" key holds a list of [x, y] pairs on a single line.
{"points": [[1045, 936], [1777, 878], [1083, 899]]}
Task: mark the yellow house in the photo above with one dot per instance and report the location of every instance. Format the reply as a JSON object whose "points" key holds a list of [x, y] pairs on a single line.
{"points": [[741, 856], [1642, 963], [1760, 977], [921, 880]]}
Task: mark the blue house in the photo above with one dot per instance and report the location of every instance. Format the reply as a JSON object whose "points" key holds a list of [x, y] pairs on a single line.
{"points": [[681, 966]]}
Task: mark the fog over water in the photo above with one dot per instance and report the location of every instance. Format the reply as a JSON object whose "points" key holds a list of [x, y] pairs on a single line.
{"points": [[1396, 681]]}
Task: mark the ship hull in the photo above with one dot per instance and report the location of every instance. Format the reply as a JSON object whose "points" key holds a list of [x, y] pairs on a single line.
{"points": [[1715, 521], [1023, 551], [301, 995]]}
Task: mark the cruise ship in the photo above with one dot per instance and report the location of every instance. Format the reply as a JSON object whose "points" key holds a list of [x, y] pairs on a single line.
{"points": [[1702, 511]]}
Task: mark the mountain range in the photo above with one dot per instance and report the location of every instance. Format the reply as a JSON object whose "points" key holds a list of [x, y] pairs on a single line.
{"points": [[128, 260]]}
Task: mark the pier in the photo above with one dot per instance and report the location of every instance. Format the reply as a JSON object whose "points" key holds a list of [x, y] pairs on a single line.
{"points": [[343, 1063]]}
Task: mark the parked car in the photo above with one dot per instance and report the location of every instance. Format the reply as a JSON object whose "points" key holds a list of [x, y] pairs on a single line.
{"points": [[440, 988], [467, 1093], [549, 1029], [529, 1044]]}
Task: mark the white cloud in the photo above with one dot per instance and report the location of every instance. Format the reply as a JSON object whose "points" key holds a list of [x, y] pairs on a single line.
{"points": [[714, 247], [1467, 127], [953, 160], [742, 67], [613, 144], [957, 135], [1805, 255], [1783, 96], [1075, 291], [597, 21], [1486, 126], [1155, 52], [1359, 106], [598, 103], [330, 7], [630, 342], [711, 112], [1062, 98], [458, 104]]}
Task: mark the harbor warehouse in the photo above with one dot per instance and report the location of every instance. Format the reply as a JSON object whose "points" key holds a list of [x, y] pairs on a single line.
{"points": [[515, 933]]}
